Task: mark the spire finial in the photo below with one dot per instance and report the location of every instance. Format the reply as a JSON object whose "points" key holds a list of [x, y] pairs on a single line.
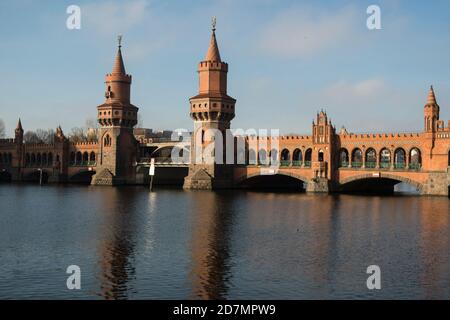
{"points": [[119, 40], [213, 23], [431, 96]]}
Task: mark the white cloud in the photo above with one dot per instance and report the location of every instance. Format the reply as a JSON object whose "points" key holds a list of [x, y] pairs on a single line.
{"points": [[113, 17], [343, 91], [296, 32], [371, 105]]}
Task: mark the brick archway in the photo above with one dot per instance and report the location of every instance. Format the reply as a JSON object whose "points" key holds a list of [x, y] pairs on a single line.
{"points": [[417, 185]]}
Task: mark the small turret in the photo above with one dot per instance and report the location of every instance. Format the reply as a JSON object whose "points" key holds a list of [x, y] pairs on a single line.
{"points": [[431, 112], [19, 132]]}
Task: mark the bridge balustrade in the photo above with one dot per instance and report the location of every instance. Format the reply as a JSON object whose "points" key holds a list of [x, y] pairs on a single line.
{"points": [[285, 163], [296, 163], [356, 164], [399, 165], [370, 164]]}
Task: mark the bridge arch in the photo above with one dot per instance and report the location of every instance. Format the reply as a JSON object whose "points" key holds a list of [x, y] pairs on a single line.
{"points": [[34, 176], [386, 179], [282, 179], [82, 176], [5, 176]]}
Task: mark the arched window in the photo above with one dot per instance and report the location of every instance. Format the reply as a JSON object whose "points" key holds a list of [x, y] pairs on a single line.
{"points": [[44, 159], [415, 159], [27, 159], [399, 158], [79, 158], [274, 156], [92, 157], [1, 158], [285, 157], [33, 160], [357, 158], [343, 158], [38, 160], [371, 158], [50, 159], [10, 158], [262, 157], [252, 157], [107, 141], [308, 154], [320, 156], [385, 158], [72, 158], [297, 157], [85, 158]]}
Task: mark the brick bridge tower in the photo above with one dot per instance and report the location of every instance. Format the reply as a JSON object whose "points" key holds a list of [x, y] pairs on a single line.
{"points": [[18, 156], [212, 111], [323, 138], [117, 116]]}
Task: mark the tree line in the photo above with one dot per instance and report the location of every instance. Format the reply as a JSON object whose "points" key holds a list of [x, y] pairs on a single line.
{"points": [[88, 133]]}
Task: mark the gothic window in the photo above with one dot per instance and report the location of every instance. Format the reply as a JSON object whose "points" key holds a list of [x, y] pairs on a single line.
{"points": [[85, 158], [92, 157], [415, 159], [285, 155], [262, 156], [399, 158], [79, 158], [297, 155], [343, 158], [320, 156], [357, 158], [107, 141], [274, 156], [251, 156], [385, 158], [308, 156], [371, 158]]}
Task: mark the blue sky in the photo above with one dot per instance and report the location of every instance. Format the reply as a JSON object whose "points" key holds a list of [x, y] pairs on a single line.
{"points": [[287, 59]]}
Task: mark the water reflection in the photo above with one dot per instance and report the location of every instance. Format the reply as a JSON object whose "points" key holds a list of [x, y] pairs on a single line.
{"points": [[174, 244], [118, 241], [212, 221]]}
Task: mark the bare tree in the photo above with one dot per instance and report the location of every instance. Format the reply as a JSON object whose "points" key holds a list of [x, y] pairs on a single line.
{"points": [[91, 130], [77, 135], [46, 136], [2, 129], [31, 137], [39, 136]]}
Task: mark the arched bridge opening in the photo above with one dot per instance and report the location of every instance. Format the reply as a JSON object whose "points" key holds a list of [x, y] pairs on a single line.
{"points": [[82, 177], [272, 182], [35, 176], [5, 176], [380, 185]]}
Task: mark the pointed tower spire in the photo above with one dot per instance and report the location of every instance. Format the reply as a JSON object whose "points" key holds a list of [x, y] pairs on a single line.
{"points": [[119, 67], [213, 50], [431, 97], [19, 125]]}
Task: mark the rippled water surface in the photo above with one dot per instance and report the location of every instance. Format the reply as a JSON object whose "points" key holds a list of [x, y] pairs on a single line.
{"points": [[175, 244]]}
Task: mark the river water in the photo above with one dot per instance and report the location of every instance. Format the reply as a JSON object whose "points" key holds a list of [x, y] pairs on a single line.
{"points": [[175, 244]]}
